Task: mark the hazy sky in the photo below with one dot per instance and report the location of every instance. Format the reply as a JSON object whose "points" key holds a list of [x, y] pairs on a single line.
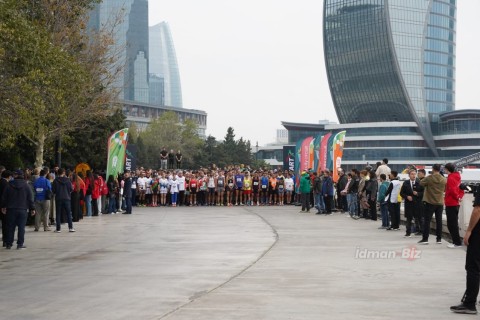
{"points": [[251, 64]]}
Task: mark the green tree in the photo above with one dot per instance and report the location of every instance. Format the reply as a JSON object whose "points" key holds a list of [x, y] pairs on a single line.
{"points": [[166, 131], [90, 144], [54, 78]]}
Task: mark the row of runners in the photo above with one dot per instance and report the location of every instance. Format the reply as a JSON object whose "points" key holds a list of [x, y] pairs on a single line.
{"points": [[212, 187]]}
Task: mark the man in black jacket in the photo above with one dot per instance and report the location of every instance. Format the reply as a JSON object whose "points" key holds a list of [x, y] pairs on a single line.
{"points": [[410, 191], [127, 192], [341, 184], [62, 188], [317, 193], [352, 192], [17, 200], [472, 263], [6, 175]]}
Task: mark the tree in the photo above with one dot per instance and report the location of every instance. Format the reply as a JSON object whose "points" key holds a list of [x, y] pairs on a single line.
{"points": [[54, 78], [90, 144], [166, 131]]}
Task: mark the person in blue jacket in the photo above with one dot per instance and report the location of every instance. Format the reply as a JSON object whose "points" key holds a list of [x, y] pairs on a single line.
{"points": [[43, 190]]}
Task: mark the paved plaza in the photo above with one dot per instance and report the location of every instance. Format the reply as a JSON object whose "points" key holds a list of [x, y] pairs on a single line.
{"points": [[229, 263]]}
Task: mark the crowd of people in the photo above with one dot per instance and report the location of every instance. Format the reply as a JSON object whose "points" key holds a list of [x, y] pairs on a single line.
{"points": [[49, 198], [65, 196]]}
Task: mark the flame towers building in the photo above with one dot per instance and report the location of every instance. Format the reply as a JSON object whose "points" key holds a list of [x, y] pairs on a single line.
{"points": [[163, 64], [391, 71], [128, 19]]}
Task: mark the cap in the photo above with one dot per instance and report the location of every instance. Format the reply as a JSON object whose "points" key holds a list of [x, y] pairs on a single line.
{"points": [[18, 172]]}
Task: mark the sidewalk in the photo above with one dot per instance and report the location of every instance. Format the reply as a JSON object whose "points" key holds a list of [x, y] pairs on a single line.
{"points": [[229, 263]]}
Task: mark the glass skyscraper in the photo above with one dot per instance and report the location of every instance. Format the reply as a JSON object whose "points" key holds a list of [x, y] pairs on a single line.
{"points": [[129, 21], [392, 61], [163, 63]]}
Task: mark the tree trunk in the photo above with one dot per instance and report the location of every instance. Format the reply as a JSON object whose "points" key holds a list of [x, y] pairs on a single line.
{"points": [[39, 149]]}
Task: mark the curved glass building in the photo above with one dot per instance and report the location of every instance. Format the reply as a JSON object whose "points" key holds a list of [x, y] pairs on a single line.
{"points": [[163, 63], [392, 61]]}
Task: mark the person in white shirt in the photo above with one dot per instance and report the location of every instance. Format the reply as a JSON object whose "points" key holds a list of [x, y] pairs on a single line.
{"points": [[383, 168], [148, 191], [181, 188], [392, 198], [174, 190], [289, 187], [141, 186]]}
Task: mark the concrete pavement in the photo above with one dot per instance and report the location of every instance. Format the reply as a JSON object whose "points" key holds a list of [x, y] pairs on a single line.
{"points": [[229, 263]]}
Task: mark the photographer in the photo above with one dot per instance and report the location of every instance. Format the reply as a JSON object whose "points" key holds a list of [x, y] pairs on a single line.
{"points": [[472, 263], [453, 196]]}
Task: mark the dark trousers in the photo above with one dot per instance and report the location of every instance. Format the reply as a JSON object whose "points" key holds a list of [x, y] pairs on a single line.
{"points": [[394, 209], [134, 200], [181, 198], [76, 208], [128, 205], [328, 203], [452, 224], [343, 203], [112, 206], [305, 201], [3, 218], [16, 218], [95, 207], [410, 212], [430, 209], [472, 266], [63, 205], [419, 217], [373, 209]]}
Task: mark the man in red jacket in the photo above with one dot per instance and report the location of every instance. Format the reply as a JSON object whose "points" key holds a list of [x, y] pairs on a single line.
{"points": [[453, 196]]}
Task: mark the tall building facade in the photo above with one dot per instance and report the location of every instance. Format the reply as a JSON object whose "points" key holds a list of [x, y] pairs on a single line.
{"points": [[129, 21], [391, 71], [163, 63], [392, 61]]}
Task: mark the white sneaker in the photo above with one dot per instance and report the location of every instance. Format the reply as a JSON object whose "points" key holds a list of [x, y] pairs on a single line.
{"points": [[453, 246], [71, 230]]}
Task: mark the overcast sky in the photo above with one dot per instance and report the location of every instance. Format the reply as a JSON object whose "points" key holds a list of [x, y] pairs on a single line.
{"points": [[251, 64]]}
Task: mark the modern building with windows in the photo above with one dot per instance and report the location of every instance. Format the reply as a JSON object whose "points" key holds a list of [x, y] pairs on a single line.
{"points": [[129, 21], [163, 63], [143, 113], [391, 71]]}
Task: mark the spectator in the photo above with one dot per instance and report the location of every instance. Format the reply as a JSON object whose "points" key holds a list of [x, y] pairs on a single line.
{"points": [[127, 192], [327, 190], [43, 191], [342, 198], [171, 159], [352, 195], [409, 192], [318, 194], [178, 159], [433, 199], [17, 200], [163, 159], [472, 263], [392, 198], [305, 189], [383, 168], [62, 188], [6, 177], [453, 196], [371, 193], [382, 191]]}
